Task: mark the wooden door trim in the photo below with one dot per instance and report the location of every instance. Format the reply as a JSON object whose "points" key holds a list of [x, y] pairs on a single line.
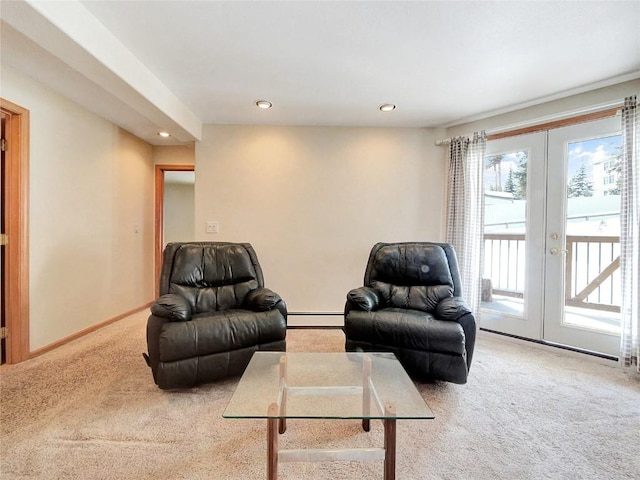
{"points": [[17, 226], [159, 214]]}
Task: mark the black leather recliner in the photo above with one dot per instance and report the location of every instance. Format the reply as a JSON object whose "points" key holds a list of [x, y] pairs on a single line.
{"points": [[213, 314], [410, 305]]}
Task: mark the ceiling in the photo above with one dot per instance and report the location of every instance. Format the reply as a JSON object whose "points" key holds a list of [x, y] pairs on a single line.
{"points": [[176, 65]]}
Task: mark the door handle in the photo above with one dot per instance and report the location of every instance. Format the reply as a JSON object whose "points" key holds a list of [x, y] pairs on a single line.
{"points": [[556, 251]]}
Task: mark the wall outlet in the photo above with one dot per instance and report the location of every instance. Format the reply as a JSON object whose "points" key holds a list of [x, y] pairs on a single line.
{"points": [[212, 226]]}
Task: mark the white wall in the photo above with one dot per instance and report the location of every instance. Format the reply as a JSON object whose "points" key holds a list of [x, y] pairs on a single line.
{"points": [[179, 212], [90, 216], [174, 154], [314, 200]]}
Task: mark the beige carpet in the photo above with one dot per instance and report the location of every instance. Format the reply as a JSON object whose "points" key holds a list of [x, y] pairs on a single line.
{"points": [[90, 410]]}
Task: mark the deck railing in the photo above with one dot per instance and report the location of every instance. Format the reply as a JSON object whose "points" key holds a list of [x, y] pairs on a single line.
{"points": [[592, 276]]}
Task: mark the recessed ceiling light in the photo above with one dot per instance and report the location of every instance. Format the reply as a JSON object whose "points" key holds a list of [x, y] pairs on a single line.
{"points": [[263, 104], [164, 134], [387, 107]]}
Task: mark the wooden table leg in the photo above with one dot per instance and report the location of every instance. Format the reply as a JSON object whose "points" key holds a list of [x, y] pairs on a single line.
{"points": [[272, 442], [390, 443], [366, 392], [282, 423]]}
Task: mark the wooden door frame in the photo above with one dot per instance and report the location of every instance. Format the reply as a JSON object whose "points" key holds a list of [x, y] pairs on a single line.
{"points": [[16, 283], [159, 214]]}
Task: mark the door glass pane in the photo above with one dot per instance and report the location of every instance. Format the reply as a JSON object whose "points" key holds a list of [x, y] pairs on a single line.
{"points": [[592, 231], [505, 188]]}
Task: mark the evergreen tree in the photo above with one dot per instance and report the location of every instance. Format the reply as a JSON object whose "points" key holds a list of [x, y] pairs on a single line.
{"points": [[509, 185], [520, 177], [616, 169], [579, 185], [494, 162]]}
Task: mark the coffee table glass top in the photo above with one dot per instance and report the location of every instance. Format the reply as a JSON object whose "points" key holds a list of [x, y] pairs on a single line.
{"points": [[327, 385]]}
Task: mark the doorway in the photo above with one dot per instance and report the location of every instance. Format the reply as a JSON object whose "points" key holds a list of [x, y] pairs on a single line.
{"points": [[552, 236], [171, 183], [15, 253], [3, 241]]}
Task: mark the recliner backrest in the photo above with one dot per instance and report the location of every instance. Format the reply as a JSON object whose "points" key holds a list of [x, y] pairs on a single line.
{"points": [[210, 275], [414, 275]]}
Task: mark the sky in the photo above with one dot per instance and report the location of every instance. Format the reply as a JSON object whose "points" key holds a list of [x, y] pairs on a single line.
{"points": [[591, 151], [585, 151]]}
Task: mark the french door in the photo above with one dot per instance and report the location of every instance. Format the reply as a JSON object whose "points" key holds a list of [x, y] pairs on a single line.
{"points": [[582, 274], [551, 264], [512, 294]]}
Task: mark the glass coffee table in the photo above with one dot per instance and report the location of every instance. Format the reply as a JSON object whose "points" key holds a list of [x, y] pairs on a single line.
{"points": [[278, 386]]}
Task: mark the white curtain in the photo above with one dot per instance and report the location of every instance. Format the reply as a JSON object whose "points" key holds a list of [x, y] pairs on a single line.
{"points": [[630, 235], [465, 211]]}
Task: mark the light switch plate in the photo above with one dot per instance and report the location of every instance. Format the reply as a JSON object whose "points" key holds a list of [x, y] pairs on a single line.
{"points": [[212, 226]]}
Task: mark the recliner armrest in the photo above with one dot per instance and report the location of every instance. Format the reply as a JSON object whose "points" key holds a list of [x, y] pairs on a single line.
{"points": [[365, 298], [261, 299], [173, 307], [451, 308]]}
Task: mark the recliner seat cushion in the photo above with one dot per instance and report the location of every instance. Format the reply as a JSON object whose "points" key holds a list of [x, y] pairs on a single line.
{"points": [[207, 299], [403, 328], [214, 332], [414, 297]]}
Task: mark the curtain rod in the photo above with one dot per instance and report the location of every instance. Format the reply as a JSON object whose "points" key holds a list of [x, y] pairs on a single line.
{"points": [[447, 141], [583, 114]]}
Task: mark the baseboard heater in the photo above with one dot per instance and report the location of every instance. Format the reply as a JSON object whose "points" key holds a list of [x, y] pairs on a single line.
{"points": [[315, 319]]}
